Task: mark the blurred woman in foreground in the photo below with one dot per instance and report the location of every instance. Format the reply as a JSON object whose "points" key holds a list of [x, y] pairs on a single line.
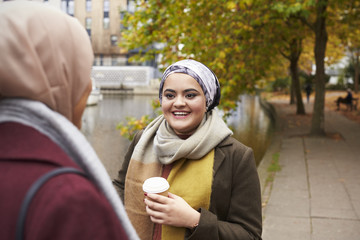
{"points": [[45, 66]]}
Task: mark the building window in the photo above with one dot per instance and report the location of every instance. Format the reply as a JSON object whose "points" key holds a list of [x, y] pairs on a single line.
{"points": [[106, 5], [68, 7], [88, 22], [64, 5], [101, 59], [71, 9], [88, 5], [106, 23], [114, 40], [131, 6], [114, 60], [122, 15], [106, 14]]}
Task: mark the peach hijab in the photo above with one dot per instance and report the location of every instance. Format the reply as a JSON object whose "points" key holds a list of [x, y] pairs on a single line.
{"points": [[46, 55]]}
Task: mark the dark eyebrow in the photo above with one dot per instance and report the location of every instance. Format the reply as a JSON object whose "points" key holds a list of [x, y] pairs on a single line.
{"points": [[190, 90], [169, 90], [186, 90]]}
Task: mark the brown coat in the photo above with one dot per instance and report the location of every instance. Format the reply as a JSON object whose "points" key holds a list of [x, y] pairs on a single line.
{"points": [[235, 205]]}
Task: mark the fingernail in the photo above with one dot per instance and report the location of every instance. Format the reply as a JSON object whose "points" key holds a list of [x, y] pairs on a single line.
{"points": [[145, 194]]}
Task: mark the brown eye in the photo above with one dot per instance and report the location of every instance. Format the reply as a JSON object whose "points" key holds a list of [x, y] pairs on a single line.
{"points": [[169, 96], [191, 95]]}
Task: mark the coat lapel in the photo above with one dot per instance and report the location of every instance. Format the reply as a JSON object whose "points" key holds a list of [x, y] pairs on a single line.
{"points": [[220, 155]]}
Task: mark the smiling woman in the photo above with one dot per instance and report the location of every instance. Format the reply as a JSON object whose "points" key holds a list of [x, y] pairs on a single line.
{"points": [[183, 104], [214, 186]]}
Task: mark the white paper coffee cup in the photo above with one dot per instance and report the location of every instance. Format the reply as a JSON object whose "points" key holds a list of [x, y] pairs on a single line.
{"points": [[156, 185]]}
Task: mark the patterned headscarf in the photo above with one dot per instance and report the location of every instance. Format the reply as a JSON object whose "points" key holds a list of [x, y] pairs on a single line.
{"points": [[202, 74], [46, 55]]}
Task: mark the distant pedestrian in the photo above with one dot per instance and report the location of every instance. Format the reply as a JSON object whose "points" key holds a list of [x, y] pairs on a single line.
{"points": [[45, 66], [308, 90]]}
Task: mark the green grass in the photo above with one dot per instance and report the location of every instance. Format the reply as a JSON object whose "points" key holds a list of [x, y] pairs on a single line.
{"points": [[273, 168]]}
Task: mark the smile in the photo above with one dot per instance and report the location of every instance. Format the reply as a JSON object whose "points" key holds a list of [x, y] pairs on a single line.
{"points": [[180, 114]]}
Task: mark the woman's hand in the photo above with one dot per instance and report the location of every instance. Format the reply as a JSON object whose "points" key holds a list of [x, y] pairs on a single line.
{"points": [[172, 210]]}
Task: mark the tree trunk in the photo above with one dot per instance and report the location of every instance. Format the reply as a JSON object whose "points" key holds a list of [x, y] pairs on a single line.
{"points": [[295, 52], [356, 67], [292, 95], [321, 37], [296, 85]]}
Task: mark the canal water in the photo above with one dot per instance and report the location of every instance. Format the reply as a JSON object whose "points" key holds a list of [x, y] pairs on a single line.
{"points": [[250, 123]]}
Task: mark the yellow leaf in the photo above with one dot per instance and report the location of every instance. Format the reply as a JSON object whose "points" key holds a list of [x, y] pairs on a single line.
{"points": [[231, 5], [222, 54]]}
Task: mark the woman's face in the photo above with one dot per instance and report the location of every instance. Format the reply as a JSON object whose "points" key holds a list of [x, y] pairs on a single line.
{"points": [[183, 103]]}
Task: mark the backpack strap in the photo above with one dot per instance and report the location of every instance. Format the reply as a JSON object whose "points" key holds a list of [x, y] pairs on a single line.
{"points": [[20, 225]]}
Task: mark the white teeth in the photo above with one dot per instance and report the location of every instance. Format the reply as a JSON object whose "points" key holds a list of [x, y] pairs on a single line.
{"points": [[180, 113]]}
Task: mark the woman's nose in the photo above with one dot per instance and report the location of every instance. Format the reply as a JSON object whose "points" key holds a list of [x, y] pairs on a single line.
{"points": [[179, 101]]}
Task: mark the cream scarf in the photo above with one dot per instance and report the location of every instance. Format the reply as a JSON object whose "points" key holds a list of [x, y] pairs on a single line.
{"points": [[159, 146]]}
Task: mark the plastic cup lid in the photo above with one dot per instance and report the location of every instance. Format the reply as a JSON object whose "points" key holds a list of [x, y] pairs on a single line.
{"points": [[155, 185]]}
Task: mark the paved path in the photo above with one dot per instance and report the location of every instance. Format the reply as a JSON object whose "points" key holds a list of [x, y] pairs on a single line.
{"points": [[316, 194]]}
